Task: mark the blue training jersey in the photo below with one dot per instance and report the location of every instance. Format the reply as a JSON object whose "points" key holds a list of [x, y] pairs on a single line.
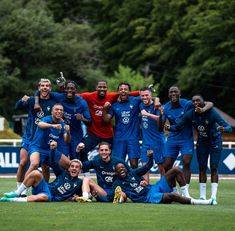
{"points": [[70, 110], [206, 125], [104, 171], [131, 183], [33, 115], [43, 137], [150, 129], [126, 119], [65, 186], [174, 115]]}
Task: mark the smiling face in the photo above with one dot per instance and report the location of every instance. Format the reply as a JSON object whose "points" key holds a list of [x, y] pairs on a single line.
{"points": [[74, 168], [101, 89], [121, 170], [174, 94], [70, 90], [124, 92], [146, 97], [104, 151], [57, 112], [44, 88], [197, 101]]}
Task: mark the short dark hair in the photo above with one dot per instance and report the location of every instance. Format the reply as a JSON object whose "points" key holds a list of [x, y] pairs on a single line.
{"points": [[104, 143], [71, 81], [124, 83], [101, 80], [145, 89]]}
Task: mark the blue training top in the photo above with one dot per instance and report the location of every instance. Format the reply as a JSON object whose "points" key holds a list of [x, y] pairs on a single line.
{"points": [[126, 119]]}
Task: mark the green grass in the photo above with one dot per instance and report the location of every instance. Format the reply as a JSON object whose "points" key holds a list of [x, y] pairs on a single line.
{"points": [[129, 216]]}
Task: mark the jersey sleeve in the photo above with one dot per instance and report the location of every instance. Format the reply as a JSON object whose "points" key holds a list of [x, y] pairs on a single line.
{"points": [[144, 169], [219, 120]]}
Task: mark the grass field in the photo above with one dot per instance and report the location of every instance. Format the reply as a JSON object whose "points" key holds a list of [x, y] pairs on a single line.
{"points": [[129, 216]]}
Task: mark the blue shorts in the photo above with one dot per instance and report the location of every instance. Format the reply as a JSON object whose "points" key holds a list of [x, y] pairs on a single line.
{"points": [[42, 188], [25, 145], [204, 149], [156, 192], [172, 149], [105, 198], [123, 147], [158, 151], [46, 156]]}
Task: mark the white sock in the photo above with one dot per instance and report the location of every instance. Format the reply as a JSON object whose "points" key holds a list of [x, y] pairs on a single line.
{"points": [[175, 190], [202, 189], [214, 187], [19, 199], [185, 192], [200, 202], [85, 194], [18, 184], [21, 189]]}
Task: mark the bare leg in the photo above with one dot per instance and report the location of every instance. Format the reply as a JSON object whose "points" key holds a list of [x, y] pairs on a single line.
{"points": [[22, 166], [46, 172], [34, 162], [186, 167]]}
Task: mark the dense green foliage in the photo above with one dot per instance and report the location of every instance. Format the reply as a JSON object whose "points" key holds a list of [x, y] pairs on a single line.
{"points": [[190, 43]]}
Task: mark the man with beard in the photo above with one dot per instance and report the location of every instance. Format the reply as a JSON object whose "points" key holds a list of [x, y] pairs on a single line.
{"points": [[209, 126], [179, 141], [34, 116]]}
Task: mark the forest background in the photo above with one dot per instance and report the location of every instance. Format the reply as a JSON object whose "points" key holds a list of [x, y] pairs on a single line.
{"points": [[189, 43]]}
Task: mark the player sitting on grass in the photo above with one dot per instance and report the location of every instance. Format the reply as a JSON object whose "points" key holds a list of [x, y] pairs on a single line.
{"points": [[161, 192], [64, 187]]}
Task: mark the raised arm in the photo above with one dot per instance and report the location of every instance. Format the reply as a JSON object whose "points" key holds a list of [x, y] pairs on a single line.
{"points": [[106, 117]]}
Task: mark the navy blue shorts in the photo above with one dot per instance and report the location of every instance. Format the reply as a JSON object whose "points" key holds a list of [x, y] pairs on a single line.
{"points": [[204, 150]]}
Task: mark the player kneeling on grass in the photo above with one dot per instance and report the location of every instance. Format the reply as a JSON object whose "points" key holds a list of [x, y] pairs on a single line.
{"points": [[64, 187], [161, 192]]}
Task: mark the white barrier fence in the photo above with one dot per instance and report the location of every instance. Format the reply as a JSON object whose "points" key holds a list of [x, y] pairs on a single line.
{"points": [[17, 142]]}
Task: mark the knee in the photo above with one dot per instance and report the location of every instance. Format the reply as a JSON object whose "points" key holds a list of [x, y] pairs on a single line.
{"points": [[214, 170], [34, 165], [23, 163], [202, 169]]}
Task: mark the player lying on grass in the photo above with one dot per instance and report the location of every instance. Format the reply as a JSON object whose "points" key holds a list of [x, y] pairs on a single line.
{"points": [[161, 192], [64, 187]]}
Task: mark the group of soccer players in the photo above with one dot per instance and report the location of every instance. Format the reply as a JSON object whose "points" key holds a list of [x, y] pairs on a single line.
{"points": [[54, 138]]}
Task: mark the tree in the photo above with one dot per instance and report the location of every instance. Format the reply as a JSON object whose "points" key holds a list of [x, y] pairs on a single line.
{"points": [[134, 78], [33, 46]]}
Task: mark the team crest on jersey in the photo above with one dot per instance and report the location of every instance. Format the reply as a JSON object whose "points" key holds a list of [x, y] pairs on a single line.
{"points": [[67, 186], [133, 185], [131, 106], [48, 108], [206, 121], [40, 114]]}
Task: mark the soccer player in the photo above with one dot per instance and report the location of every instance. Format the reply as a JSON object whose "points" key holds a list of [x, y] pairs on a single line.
{"points": [[98, 131], [64, 187], [50, 128], [209, 126], [126, 135], [152, 138], [161, 192], [46, 104], [179, 141], [103, 164], [75, 111]]}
